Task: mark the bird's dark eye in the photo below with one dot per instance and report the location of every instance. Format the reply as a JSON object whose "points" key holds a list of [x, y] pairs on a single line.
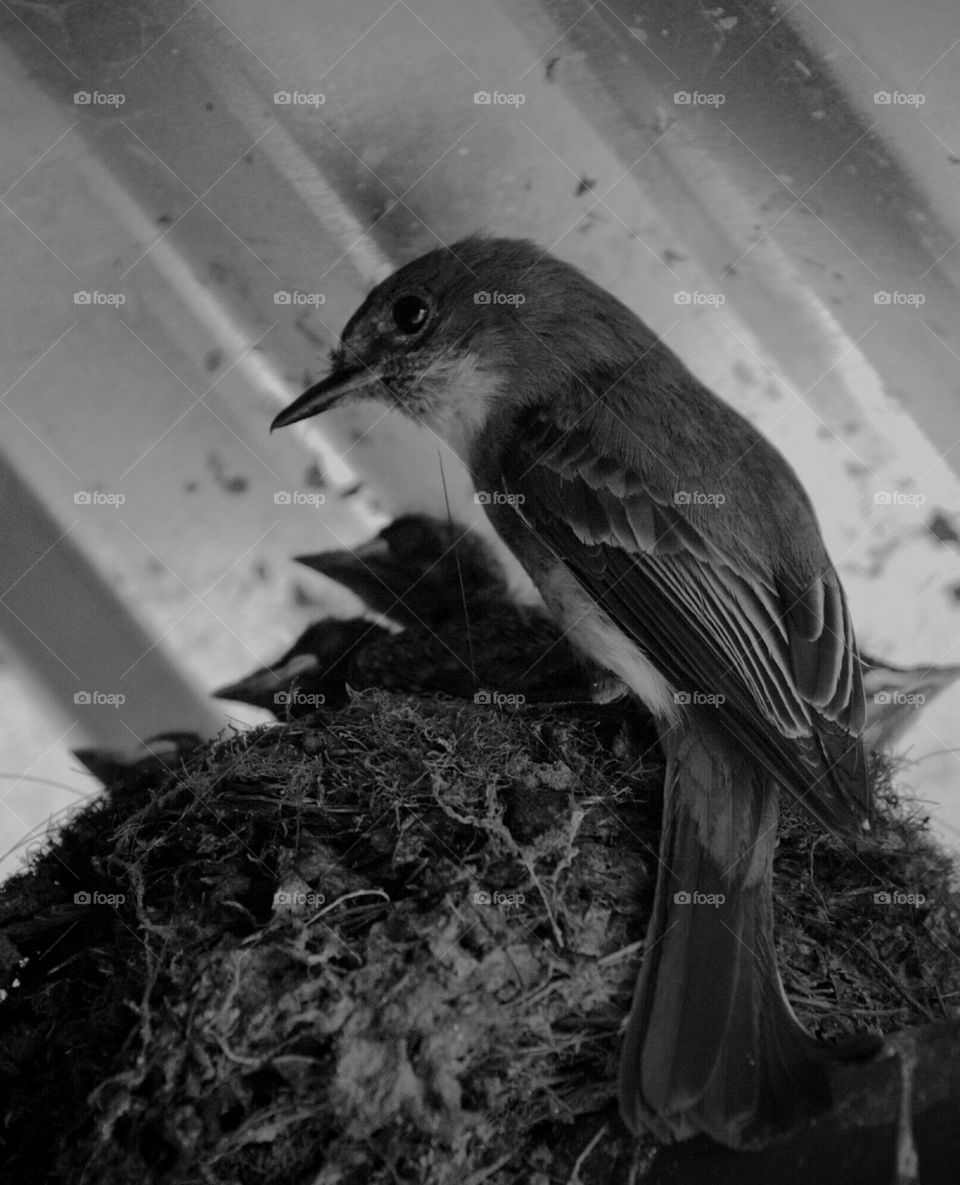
{"points": [[410, 313]]}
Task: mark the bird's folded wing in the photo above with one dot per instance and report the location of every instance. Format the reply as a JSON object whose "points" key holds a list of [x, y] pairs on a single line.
{"points": [[714, 618]]}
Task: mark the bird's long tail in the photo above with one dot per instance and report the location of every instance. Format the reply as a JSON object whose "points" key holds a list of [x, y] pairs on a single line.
{"points": [[712, 1044]]}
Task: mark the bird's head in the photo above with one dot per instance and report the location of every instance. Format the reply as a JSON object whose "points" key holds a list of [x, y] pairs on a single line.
{"points": [[451, 336]]}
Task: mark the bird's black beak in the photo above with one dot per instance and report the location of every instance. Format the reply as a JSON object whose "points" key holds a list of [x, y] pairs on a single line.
{"points": [[334, 389]]}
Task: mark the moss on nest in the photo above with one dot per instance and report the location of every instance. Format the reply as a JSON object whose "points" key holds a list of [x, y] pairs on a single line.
{"points": [[305, 981]]}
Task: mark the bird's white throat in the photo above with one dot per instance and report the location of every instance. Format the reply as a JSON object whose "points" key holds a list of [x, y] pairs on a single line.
{"points": [[457, 399]]}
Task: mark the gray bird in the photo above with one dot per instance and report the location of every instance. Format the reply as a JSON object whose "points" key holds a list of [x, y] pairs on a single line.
{"points": [[678, 550]]}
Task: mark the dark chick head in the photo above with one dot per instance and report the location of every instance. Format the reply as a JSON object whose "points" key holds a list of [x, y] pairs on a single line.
{"points": [[417, 540], [313, 671], [444, 552], [418, 570], [450, 336]]}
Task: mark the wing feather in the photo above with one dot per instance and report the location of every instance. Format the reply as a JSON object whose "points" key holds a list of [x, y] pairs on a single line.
{"points": [[714, 614]]}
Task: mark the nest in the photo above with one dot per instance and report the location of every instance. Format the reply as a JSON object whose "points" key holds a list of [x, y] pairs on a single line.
{"points": [[397, 944]]}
